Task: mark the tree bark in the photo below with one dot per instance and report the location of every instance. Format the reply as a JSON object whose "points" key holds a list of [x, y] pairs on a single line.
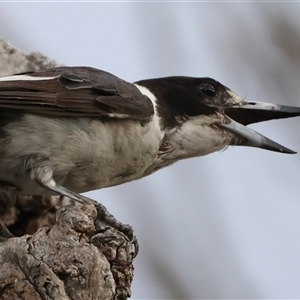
{"points": [[63, 250]]}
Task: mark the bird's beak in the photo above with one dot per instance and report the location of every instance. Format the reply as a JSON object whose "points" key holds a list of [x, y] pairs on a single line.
{"points": [[251, 112]]}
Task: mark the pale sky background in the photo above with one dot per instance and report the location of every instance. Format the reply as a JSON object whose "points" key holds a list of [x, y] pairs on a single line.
{"points": [[221, 226]]}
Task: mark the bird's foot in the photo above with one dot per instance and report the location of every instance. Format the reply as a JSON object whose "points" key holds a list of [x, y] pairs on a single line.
{"points": [[44, 177], [104, 215]]}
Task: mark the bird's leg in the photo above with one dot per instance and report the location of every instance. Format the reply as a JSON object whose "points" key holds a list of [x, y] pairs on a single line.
{"points": [[44, 177], [4, 232]]}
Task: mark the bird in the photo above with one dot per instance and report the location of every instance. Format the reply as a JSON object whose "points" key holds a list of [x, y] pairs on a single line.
{"points": [[69, 130]]}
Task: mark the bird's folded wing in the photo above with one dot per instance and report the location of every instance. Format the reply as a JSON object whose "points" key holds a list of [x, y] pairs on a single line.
{"points": [[74, 92]]}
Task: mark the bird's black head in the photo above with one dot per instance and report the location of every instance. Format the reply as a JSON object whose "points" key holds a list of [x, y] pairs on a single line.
{"points": [[182, 99]]}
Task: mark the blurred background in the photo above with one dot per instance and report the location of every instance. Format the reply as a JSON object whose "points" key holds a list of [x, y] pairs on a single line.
{"points": [[220, 226]]}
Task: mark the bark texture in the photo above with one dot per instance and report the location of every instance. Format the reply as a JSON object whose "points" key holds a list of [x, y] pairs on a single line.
{"points": [[63, 250], [14, 60]]}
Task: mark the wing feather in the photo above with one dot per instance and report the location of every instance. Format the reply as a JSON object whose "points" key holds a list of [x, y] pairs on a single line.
{"points": [[74, 92]]}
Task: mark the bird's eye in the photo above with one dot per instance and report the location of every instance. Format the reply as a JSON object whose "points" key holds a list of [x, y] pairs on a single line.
{"points": [[208, 90]]}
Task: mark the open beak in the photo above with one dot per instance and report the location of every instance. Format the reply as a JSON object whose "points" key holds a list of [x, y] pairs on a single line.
{"points": [[253, 112]]}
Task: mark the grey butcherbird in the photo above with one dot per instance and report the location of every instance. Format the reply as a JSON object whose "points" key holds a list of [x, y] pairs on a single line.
{"points": [[69, 130]]}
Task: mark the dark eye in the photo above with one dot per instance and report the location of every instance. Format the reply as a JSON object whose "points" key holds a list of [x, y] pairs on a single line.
{"points": [[208, 90]]}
